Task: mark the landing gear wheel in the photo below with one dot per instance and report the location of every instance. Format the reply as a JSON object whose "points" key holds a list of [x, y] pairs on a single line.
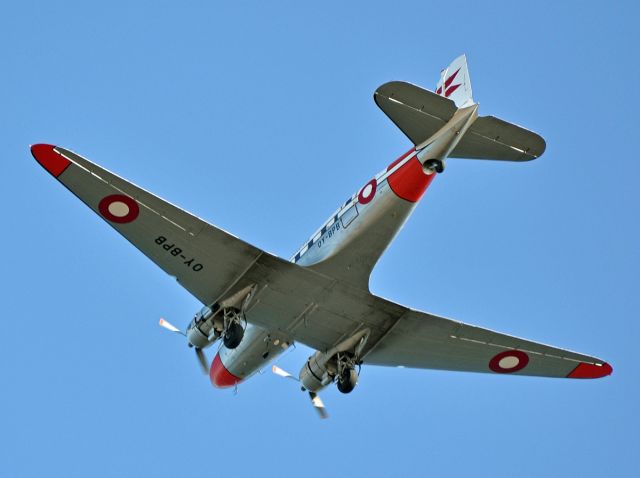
{"points": [[435, 164], [233, 335], [348, 380]]}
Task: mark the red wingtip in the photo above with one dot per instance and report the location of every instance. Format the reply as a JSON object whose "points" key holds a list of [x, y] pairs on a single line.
{"points": [[591, 370], [49, 159], [220, 376]]}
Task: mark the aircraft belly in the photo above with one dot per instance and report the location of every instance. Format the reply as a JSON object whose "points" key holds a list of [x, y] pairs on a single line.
{"points": [[258, 347], [352, 252]]}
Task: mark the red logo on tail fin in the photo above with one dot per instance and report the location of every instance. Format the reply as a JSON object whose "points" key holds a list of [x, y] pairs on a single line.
{"points": [[448, 87]]}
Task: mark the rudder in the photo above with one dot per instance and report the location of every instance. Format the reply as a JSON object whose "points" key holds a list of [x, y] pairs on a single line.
{"points": [[455, 83]]}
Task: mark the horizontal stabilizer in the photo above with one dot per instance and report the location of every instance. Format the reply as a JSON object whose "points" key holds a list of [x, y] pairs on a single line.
{"points": [[492, 138], [420, 113]]}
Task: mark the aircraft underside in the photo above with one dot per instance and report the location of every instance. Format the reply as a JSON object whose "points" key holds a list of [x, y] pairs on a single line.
{"points": [[256, 305]]}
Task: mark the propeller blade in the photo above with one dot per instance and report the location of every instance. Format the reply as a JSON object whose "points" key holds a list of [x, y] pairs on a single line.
{"points": [[316, 401], [282, 373], [202, 359], [167, 325]]}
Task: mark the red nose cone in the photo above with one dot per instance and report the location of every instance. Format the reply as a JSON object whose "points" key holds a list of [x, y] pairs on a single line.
{"points": [[590, 370], [220, 376], [49, 159]]}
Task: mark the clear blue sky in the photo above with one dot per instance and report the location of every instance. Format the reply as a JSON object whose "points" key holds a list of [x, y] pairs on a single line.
{"points": [[258, 116]]}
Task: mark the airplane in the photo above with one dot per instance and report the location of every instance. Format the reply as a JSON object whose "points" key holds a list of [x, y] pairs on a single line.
{"points": [[256, 305]]}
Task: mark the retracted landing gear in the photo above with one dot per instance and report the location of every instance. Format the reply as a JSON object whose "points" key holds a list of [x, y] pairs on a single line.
{"points": [[347, 376], [234, 322], [233, 328], [436, 165]]}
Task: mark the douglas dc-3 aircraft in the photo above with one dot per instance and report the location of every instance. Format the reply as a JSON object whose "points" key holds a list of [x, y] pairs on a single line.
{"points": [[258, 304]]}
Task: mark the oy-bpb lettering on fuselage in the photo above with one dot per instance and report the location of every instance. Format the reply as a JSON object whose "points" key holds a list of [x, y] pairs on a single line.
{"points": [[328, 234]]}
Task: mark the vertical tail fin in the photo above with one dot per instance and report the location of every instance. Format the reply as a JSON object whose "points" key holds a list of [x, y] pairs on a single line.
{"points": [[455, 83]]}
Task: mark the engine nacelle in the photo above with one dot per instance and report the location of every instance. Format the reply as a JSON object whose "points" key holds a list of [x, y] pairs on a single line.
{"points": [[317, 372], [322, 367], [202, 330]]}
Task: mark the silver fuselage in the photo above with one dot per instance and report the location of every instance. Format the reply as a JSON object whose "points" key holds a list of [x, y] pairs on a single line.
{"points": [[371, 218]]}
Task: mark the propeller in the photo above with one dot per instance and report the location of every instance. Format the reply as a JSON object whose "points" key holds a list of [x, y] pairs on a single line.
{"points": [[282, 373], [202, 358], [316, 401], [170, 327]]}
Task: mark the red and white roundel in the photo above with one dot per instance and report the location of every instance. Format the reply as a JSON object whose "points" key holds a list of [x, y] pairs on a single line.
{"points": [[509, 361], [118, 208], [367, 193]]}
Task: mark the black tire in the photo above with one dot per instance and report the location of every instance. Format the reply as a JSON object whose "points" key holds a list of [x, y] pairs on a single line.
{"points": [[233, 335], [348, 380], [436, 164]]}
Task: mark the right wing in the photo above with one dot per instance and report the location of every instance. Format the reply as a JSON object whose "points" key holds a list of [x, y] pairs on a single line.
{"points": [[421, 340], [212, 264], [205, 259]]}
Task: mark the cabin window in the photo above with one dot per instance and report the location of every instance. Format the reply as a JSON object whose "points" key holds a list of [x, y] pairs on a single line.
{"points": [[349, 215]]}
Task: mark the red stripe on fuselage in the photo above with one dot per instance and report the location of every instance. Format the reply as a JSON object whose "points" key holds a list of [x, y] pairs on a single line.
{"points": [[392, 165], [220, 376], [409, 182]]}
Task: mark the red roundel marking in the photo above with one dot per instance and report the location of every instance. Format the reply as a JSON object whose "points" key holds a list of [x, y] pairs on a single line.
{"points": [[390, 167], [509, 361], [367, 193], [119, 208]]}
